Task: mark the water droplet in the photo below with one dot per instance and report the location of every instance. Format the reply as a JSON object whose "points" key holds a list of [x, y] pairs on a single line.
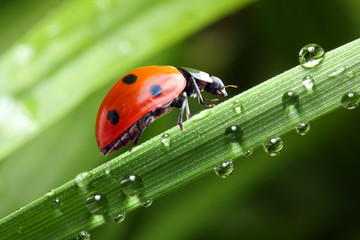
{"points": [[337, 72], [147, 203], [83, 236], [107, 169], [20, 230], [132, 185], [290, 98], [311, 55], [238, 107], [308, 82], [201, 115], [119, 218], [97, 204], [57, 203], [83, 179], [233, 133], [165, 140], [303, 128], [350, 100], [224, 169], [248, 153], [50, 193], [273, 146], [350, 74]]}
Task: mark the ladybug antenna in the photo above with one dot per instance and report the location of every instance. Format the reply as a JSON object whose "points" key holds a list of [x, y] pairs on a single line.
{"points": [[233, 86]]}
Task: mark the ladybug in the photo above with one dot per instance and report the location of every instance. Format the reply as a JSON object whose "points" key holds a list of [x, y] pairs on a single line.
{"points": [[143, 95]]}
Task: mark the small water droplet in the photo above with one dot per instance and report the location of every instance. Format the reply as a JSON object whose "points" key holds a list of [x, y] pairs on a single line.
{"points": [[248, 153], [290, 98], [107, 169], [147, 203], [50, 193], [83, 179], [350, 74], [201, 115], [119, 218], [311, 55], [165, 140], [273, 146], [233, 133], [20, 230], [57, 203], [132, 185], [308, 82], [83, 236], [337, 72], [350, 100], [97, 204], [224, 169], [303, 128], [238, 107]]}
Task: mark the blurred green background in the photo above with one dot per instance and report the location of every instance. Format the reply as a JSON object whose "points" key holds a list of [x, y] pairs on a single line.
{"points": [[309, 191]]}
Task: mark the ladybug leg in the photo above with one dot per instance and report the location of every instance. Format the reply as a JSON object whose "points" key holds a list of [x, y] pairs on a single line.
{"points": [[148, 120], [198, 93], [188, 115], [184, 105]]}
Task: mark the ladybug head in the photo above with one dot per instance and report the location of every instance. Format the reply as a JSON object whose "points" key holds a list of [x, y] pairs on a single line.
{"points": [[216, 87]]}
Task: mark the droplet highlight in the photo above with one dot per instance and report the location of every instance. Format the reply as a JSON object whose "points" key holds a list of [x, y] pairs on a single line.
{"points": [[83, 236], [308, 82], [238, 108], [165, 140], [57, 203], [132, 185], [350, 100], [303, 128], [233, 133], [224, 169], [337, 71], [290, 98], [311, 55], [248, 153], [119, 218], [273, 146], [147, 203], [97, 204], [350, 74]]}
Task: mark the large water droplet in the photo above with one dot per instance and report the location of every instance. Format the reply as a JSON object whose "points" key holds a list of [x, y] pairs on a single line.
{"points": [[233, 133], [97, 204], [311, 55], [290, 98], [238, 107], [83, 236], [350, 100], [303, 128], [224, 169], [165, 140], [273, 146], [119, 218], [132, 185], [147, 203], [308, 82], [337, 72]]}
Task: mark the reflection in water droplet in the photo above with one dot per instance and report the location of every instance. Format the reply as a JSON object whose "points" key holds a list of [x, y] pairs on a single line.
{"points": [[248, 153], [303, 128], [147, 203], [350, 100], [273, 146], [119, 218], [83, 236], [237, 107], [132, 185], [290, 98], [350, 74], [165, 140], [311, 55], [97, 204], [337, 72], [308, 82], [233, 133], [224, 169]]}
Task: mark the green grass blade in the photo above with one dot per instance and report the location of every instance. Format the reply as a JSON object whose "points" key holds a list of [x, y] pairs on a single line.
{"points": [[191, 153]]}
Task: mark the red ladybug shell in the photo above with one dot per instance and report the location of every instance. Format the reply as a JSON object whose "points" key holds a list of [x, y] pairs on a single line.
{"points": [[137, 93]]}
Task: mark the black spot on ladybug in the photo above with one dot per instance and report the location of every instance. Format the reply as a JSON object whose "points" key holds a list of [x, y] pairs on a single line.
{"points": [[112, 116], [129, 79], [156, 90]]}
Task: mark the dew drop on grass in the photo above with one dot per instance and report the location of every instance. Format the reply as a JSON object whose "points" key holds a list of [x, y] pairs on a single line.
{"points": [[20, 230], [311, 55], [290, 98], [83, 179], [308, 82], [132, 185], [57, 203], [350, 74], [302, 128], [224, 169], [273, 146], [97, 204], [165, 140], [119, 218], [350, 100], [83, 236], [147, 203], [237, 107], [233, 133], [337, 71], [248, 153]]}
